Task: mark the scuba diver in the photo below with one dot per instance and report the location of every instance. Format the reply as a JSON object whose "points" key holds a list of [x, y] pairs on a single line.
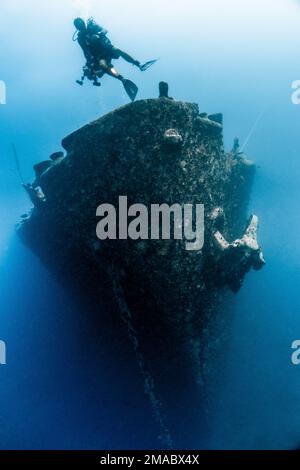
{"points": [[236, 149], [99, 53], [35, 194], [34, 191]]}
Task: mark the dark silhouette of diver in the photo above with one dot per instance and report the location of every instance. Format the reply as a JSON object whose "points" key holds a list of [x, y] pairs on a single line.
{"points": [[35, 194], [236, 149], [99, 53]]}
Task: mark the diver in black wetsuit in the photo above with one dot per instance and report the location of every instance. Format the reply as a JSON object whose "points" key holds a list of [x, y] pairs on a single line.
{"points": [[236, 149], [35, 194], [99, 53]]}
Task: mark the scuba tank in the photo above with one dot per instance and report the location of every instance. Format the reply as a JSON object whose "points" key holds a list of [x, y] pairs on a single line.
{"points": [[95, 28]]}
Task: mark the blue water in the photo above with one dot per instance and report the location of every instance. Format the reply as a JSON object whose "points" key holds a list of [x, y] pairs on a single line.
{"points": [[59, 388]]}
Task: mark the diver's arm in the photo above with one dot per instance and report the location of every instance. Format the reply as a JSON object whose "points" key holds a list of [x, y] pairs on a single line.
{"points": [[82, 42]]}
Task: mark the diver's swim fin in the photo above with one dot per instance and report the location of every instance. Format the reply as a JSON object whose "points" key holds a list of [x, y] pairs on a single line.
{"points": [[131, 89], [147, 65]]}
